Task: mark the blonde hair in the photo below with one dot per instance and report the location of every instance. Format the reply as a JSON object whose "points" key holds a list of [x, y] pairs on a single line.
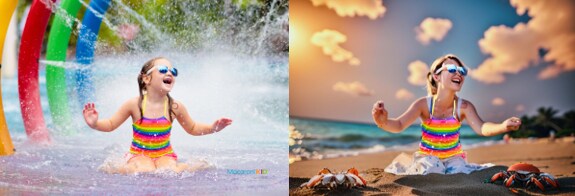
{"points": [[142, 88], [432, 84]]}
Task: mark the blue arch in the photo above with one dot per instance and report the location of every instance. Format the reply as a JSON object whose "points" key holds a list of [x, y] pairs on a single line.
{"points": [[85, 48]]}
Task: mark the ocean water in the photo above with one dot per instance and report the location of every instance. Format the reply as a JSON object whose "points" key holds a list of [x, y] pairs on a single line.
{"points": [[319, 139], [250, 90]]}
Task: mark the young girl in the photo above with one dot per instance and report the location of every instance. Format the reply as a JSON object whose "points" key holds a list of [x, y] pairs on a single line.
{"points": [[441, 112], [152, 115]]}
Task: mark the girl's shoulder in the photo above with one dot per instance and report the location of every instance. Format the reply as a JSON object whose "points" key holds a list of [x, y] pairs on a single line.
{"points": [[420, 104], [422, 101], [465, 104], [133, 101], [130, 105]]}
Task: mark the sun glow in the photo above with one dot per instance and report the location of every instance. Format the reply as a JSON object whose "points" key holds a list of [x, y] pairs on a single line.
{"points": [[293, 35], [299, 40]]}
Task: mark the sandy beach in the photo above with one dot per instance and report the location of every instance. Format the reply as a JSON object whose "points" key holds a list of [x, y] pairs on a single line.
{"points": [[554, 157]]}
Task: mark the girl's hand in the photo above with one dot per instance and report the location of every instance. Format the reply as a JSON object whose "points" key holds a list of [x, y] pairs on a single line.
{"points": [[90, 114], [379, 113], [221, 124], [512, 123]]}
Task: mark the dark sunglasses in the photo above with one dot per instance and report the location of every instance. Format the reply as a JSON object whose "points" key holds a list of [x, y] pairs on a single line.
{"points": [[452, 68], [163, 69]]}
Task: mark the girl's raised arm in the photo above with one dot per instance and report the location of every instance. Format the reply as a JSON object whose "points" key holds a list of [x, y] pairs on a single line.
{"points": [[196, 128], [487, 128], [107, 125], [396, 125]]}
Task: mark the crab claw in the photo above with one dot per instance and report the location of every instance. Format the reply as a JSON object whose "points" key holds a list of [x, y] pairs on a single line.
{"points": [[497, 176], [353, 171], [313, 181], [509, 182], [325, 170], [356, 174], [351, 180], [539, 184], [357, 180], [550, 180]]}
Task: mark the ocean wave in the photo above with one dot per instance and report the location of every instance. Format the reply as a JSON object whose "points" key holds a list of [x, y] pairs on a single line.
{"points": [[359, 137], [319, 139]]}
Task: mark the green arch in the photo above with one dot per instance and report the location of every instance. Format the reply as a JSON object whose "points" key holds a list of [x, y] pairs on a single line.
{"points": [[56, 52]]}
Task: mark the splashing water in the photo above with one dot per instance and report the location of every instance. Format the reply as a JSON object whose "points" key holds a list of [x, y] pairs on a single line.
{"points": [[221, 75], [251, 91]]}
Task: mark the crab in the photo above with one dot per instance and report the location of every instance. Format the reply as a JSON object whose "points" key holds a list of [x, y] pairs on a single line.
{"points": [[325, 177], [525, 175]]}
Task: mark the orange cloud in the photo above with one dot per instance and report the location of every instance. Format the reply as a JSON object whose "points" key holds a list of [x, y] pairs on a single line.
{"points": [[354, 88], [432, 29], [417, 73], [515, 49], [512, 50], [329, 41], [403, 94], [520, 108], [350, 8], [498, 101]]}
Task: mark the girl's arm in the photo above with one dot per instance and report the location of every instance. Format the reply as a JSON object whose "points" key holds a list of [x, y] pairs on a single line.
{"points": [[106, 125], [196, 128], [396, 125], [487, 128]]}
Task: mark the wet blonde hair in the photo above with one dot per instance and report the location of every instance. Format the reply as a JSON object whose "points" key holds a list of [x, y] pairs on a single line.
{"points": [[437, 64]]}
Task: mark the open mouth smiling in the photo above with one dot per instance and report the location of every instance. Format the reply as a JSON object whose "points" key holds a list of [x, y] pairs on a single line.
{"points": [[168, 80], [456, 80]]}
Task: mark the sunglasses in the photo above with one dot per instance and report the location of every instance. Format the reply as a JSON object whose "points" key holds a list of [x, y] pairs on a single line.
{"points": [[451, 68], [163, 69]]}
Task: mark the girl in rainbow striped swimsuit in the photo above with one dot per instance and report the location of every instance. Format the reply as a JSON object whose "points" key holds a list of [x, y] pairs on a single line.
{"points": [[441, 113], [152, 115]]}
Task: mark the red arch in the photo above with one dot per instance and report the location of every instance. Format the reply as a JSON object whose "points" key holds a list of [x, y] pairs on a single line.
{"points": [[28, 90]]}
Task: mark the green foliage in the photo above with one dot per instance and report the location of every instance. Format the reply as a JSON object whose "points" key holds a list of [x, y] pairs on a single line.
{"points": [[189, 24], [545, 121], [109, 37], [185, 24], [21, 7]]}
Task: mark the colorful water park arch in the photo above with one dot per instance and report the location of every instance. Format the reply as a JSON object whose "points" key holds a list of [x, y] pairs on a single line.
{"points": [[28, 60], [6, 10]]}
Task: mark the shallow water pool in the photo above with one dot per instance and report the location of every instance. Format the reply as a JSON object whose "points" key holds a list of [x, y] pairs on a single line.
{"points": [[251, 91]]}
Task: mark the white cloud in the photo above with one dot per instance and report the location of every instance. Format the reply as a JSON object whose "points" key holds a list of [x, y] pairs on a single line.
{"points": [[417, 73], [498, 101], [514, 49], [329, 41], [403, 94], [432, 29], [350, 8], [354, 88]]}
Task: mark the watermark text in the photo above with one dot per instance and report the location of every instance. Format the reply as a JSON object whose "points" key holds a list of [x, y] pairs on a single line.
{"points": [[247, 171]]}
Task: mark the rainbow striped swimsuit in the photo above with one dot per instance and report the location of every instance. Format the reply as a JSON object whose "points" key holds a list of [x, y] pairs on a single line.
{"points": [[440, 137], [151, 136]]}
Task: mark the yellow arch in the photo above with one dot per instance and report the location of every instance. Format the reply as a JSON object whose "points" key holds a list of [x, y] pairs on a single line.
{"points": [[6, 10]]}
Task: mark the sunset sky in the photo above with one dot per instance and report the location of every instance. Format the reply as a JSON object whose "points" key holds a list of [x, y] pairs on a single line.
{"points": [[346, 54]]}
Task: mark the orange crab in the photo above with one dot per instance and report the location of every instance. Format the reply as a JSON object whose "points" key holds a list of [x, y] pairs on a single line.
{"points": [[525, 175], [325, 177]]}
